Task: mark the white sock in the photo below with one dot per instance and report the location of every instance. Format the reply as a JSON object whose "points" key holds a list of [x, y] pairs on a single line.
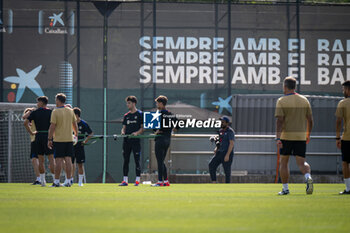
{"points": [[38, 179], [347, 184], [125, 179], [166, 181], [307, 176], [285, 187], [137, 178], [65, 176], [159, 181], [53, 176], [81, 177], [42, 177], [57, 181]]}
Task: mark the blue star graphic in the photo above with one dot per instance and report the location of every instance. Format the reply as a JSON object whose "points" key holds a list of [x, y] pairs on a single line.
{"points": [[26, 80], [57, 18], [224, 103]]}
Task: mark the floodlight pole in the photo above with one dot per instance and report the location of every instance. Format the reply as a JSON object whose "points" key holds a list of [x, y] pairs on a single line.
{"points": [[1, 57], [106, 9], [153, 49], [299, 43], [229, 48], [78, 53]]}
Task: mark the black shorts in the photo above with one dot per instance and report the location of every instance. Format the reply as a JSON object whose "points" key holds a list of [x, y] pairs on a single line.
{"points": [[296, 148], [345, 151], [33, 153], [63, 149], [41, 145], [79, 154]]}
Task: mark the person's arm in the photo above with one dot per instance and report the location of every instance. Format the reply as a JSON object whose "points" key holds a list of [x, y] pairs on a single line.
{"points": [[338, 129], [229, 150], [75, 128], [310, 124], [90, 134], [50, 137], [26, 115], [88, 138], [279, 114], [138, 132], [26, 125], [123, 130], [279, 126]]}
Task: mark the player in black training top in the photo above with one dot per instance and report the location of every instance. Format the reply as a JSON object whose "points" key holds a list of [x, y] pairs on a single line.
{"points": [[79, 152], [162, 142], [41, 117], [132, 124]]}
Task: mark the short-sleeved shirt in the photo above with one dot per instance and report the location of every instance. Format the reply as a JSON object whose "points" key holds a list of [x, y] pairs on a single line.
{"points": [[63, 118], [133, 121], [225, 136], [41, 118], [83, 129], [166, 117], [343, 111], [294, 108]]}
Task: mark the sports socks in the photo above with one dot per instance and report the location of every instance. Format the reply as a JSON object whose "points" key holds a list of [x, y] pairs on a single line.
{"points": [[125, 179]]}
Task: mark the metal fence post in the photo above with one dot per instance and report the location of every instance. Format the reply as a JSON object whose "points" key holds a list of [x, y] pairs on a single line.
{"points": [[9, 155]]}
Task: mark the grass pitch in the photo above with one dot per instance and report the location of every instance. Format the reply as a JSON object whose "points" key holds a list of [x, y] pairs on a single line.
{"points": [[178, 208]]}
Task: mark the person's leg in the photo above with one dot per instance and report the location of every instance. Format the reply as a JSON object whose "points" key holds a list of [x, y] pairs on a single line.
{"points": [[69, 166], [346, 170], [304, 167], [58, 169], [213, 165], [51, 163], [35, 163], [345, 149], [346, 175], [284, 171], [64, 168], [127, 147], [74, 164], [165, 152], [306, 170], [81, 168], [227, 169], [137, 156], [42, 169], [299, 150], [80, 160], [81, 173], [160, 159]]}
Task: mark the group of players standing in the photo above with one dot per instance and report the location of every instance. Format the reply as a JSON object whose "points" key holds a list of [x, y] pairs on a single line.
{"points": [[133, 125], [51, 133]]}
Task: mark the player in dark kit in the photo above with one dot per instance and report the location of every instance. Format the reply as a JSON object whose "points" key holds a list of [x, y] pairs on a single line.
{"points": [[41, 118], [224, 151], [79, 152], [33, 151], [162, 142], [132, 124]]}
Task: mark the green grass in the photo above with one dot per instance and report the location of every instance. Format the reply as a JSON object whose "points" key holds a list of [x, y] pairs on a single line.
{"points": [[178, 208]]}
